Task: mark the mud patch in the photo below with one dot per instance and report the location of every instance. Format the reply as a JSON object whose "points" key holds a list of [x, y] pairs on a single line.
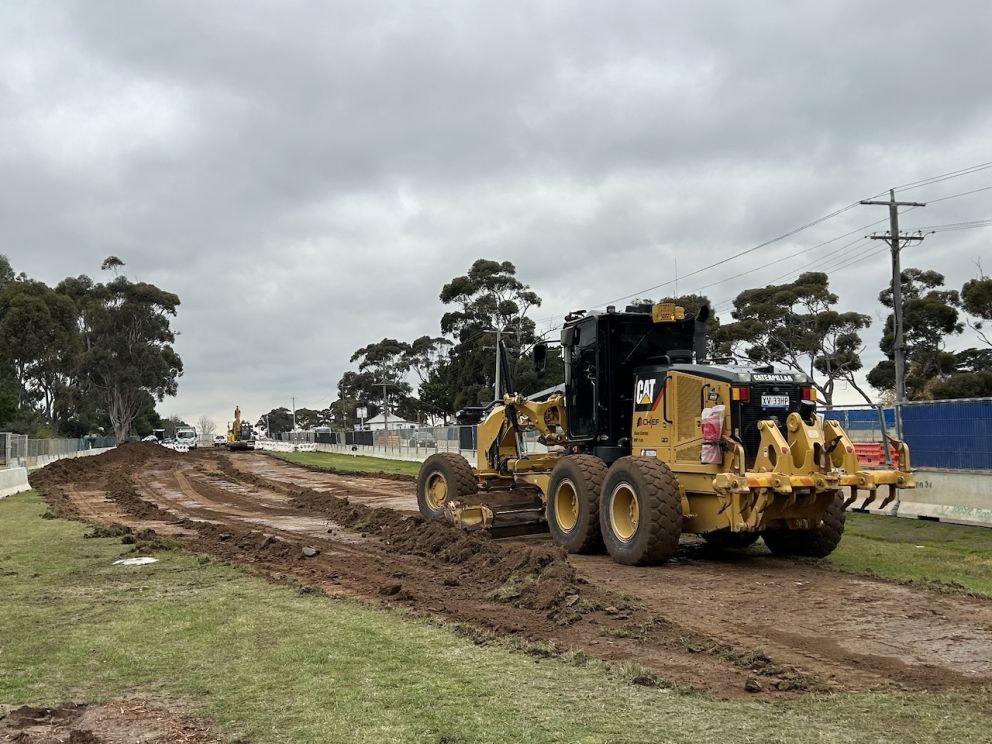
{"points": [[118, 722], [746, 626]]}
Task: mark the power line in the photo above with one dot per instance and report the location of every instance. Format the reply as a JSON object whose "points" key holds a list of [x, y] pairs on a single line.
{"points": [[955, 196], [913, 184], [943, 177], [911, 208], [783, 258], [735, 256], [956, 226]]}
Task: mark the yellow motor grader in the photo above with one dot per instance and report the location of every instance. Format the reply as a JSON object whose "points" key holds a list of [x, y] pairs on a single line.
{"points": [[651, 439]]}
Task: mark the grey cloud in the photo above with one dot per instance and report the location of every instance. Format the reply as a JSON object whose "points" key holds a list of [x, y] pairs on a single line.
{"points": [[307, 175]]}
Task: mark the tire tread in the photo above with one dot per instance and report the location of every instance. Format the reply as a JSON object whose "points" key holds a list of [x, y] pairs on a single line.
{"points": [[457, 472], [593, 473], [662, 504]]}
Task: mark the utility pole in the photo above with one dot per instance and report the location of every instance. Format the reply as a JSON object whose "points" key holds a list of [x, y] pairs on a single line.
{"points": [[896, 242], [499, 335], [385, 409], [385, 401]]}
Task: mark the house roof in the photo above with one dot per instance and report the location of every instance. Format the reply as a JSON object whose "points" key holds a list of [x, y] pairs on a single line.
{"points": [[393, 419]]}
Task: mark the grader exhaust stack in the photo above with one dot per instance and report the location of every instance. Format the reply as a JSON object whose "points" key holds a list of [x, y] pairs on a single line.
{"points": [[657, 441]]}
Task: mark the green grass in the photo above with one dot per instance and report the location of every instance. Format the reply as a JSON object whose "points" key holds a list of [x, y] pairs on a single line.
{"points": [[267, 663], [337, 462], [945, 555]]}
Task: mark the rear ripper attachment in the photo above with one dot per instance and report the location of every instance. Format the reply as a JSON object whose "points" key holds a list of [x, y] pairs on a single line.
{"points": [[659, 440]]}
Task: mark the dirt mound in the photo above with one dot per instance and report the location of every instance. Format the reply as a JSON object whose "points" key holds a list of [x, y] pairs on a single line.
{"points": [[153, 722], [93, 469], [540, 577]]}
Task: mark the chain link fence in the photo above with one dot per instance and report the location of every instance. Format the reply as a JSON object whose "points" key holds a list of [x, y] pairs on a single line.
{"points": [[18, 450], [416, 443]]}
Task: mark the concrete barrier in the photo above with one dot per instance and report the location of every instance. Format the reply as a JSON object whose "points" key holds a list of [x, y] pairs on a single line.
{"points": [[13, 480], [42, 460], [956, 496], [407, 454]]}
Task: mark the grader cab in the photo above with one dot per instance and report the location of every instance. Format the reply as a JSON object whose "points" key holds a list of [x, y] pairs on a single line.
{"points": [[650, 440]]}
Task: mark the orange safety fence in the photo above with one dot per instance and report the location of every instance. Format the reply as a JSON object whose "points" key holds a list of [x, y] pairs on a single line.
{"points": [[873, 453]]}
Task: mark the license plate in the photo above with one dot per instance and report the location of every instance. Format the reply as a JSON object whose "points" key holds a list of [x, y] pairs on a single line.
{"points": [[774, 401]]}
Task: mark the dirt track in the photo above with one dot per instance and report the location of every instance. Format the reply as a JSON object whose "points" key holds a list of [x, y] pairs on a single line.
{"points": [[697, 622]]}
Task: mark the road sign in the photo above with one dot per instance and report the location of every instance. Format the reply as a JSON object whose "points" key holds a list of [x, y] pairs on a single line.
{"points": [[362, 412]]}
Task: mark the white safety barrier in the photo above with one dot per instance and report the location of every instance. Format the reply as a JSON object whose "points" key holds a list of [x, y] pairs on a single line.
{"points": [[956, 496], [391, 453], [13, 480], [271, 445]]}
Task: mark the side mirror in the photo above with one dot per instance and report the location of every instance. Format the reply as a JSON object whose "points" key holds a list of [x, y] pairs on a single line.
{"points": [[570, 336], [540, 356]]}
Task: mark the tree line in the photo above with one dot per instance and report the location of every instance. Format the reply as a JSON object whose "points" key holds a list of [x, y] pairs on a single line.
{"points": [[797, 324], [452, 370], [84, 356]]}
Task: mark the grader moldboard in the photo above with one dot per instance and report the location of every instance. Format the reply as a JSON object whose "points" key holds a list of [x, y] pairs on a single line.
{"points": [[650, 440]]}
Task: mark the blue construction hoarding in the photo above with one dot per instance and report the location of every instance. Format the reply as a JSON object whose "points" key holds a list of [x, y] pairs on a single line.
{"points": [[949, 433]]}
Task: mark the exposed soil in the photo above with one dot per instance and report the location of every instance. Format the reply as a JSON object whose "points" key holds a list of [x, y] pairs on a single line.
{"points": [[118, 722], [731, 625]]}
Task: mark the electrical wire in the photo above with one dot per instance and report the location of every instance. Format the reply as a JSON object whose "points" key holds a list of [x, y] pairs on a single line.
{"points": [[944, 176], [955, 196], [735, 256]]}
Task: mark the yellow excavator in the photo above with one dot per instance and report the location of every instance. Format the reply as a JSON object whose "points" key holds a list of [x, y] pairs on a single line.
{"points": [[650, 439], [241, 435]]}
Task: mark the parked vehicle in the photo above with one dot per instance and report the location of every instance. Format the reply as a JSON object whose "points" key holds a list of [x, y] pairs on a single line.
{"points": [[422, 439], [187, 436], [220, 441]]}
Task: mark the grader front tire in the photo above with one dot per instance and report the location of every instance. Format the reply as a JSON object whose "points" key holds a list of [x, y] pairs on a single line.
{"points": [[815, 543], [573, 503], [443, 477], [640, 511]]}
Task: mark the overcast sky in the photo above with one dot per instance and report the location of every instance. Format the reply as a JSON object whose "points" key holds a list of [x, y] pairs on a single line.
{"points": [[307, 175]]}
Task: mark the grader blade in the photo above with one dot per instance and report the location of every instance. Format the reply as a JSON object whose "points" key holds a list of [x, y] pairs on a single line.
{"points": [[525, 517]]}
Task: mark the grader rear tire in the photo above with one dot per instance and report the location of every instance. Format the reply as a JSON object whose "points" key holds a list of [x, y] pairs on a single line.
{"points": [[815, 543], [573, 503], [443, 477], [640, 511], [727, 540]]}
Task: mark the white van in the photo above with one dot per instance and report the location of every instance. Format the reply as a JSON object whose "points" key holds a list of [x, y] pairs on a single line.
{"points": [[187, 437]]}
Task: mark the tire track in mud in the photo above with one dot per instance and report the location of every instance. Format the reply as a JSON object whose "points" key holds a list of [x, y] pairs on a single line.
{"points": [[863, 632], [616, 648], [523, 588]]}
